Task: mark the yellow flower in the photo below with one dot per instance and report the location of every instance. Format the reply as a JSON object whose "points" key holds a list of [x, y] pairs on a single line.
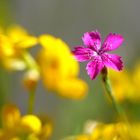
{"points": [[10, 116], [126, 85], [30, 123], [82, 137], [121, 83], [20, 37], [16, 127], [108, 131], [59, 69], [13, 43], [31, 77], [5, 46], [114, 131], [72, 88], [136, 77], [111, 131]]}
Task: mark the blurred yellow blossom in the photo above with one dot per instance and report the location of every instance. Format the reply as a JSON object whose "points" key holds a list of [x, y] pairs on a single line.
{"points": [[20, 37], [136, 77], [110, 131], [13, 43], [126, 85], [31, 77], [14, 54], [82, 137], [121, 84], [10, 116], [59, 69], [116, 131], [30, 123], [72, 88], [16, 127]]}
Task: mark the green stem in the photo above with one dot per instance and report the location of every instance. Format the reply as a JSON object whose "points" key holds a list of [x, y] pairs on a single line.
{"points": [[117, 106], [109, 91], [31, 101], [4, 89], [30, 62]]}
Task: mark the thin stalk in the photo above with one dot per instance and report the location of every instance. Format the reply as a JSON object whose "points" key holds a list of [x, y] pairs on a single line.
{"points": [[109, 91], [31, 101], [31, 64], [117, 106]]}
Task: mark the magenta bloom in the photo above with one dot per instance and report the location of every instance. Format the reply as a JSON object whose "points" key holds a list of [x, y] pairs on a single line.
{"points": [[98, 54]]}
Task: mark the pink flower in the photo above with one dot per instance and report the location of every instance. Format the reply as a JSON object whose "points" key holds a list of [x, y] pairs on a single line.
{"points": [[97, 53]]}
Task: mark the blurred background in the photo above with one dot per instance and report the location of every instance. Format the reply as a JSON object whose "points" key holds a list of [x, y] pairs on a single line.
{"points": [[69, 20]]}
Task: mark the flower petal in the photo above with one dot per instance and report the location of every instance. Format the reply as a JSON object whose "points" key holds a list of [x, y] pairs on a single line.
{"points": [[113, 61], [94, 67], [92, 40], [112, 42], [72, 88], [83, 54]]}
